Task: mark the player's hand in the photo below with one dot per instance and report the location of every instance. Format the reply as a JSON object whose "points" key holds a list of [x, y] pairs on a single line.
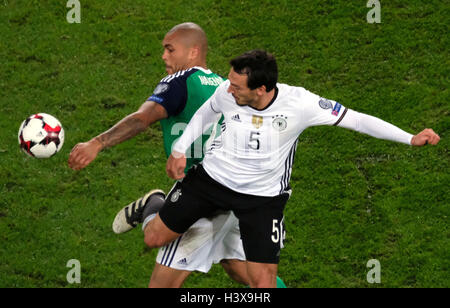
{"points": [[427, 136], [175, 165], [84, 153]]}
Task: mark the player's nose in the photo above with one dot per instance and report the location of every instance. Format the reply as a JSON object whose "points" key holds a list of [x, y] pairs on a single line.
{"points": [[164, 56]]}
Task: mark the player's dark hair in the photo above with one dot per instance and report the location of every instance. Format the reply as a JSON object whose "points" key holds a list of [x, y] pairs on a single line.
{"points": [[260, 67]]}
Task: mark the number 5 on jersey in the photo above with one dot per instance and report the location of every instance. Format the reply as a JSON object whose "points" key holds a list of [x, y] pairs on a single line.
{"points": [[254, 141]]}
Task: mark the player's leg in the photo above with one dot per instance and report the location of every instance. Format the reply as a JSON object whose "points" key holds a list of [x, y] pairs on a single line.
{"points": [[166, 277], [193, 251], [262, 275], [229, 247], [237, 270], [157, 234], [145, 209], [134, 213], [262, 235]]}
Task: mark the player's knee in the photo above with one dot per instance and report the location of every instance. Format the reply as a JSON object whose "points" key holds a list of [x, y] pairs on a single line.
{"points": [[157, 234], [263, 281], [236, 270], [264, 276], [152, 240]]}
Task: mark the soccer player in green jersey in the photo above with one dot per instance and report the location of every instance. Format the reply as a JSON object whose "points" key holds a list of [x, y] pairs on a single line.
{"points": [[173, 102]]}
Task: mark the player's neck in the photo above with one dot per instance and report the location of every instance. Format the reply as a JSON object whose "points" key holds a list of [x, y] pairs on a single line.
{"points": [[201, 64], [264, 100]]}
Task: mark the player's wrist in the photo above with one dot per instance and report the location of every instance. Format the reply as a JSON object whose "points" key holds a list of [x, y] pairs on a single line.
{"points": [[177, 154], [97, 143]]}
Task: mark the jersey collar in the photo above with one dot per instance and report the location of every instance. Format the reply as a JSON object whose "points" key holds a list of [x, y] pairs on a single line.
{"points": [[271, 102], [206, 71]]}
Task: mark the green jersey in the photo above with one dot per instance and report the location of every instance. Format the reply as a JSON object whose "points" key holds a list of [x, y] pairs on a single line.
{"points": [[181, 94]]}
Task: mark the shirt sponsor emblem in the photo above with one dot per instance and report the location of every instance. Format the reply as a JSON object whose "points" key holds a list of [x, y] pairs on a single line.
{"points": [[257, 121]]}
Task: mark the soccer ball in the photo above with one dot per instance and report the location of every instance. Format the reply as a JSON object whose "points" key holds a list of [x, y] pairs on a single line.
{"points": [[41, 135]]}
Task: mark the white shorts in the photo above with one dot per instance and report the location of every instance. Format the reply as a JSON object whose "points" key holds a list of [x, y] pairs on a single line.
{"points": [[206, 242]]}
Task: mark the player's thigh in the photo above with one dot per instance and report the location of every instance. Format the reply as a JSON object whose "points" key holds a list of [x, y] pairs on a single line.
{"points": [[166, 277], [262, 231], [185, 205]]}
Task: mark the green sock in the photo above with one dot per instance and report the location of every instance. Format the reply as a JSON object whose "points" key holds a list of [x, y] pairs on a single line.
{"points": [[280, 284]]}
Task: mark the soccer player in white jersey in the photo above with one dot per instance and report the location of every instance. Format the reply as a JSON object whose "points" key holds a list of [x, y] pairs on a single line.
{"points": [[248, 167]]}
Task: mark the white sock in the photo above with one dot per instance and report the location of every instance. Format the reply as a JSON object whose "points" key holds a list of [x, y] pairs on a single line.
{"points": [[147, 220]]}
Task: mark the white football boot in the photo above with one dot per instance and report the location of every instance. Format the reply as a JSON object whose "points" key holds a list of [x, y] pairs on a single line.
{"points": [[132, 215]]}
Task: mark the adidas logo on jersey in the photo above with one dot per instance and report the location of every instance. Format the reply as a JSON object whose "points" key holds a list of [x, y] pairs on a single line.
{"points": [[236, 118], [183, 262]]}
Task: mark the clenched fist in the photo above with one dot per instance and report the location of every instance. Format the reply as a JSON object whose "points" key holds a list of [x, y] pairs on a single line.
{"points": [[427, 136], [84, 153]]}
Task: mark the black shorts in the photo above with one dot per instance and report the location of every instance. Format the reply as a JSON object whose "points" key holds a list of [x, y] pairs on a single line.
{"points": [[260, 218]]}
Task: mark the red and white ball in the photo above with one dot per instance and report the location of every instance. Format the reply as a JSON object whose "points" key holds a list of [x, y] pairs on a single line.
{"points": [[41, 135]]}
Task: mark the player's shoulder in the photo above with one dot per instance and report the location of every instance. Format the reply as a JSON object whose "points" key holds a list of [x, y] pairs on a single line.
{"points": [[179, 76], [223, 87], [175, 83], [289, 90], [295, 94], [206, 76], [222, 92]]}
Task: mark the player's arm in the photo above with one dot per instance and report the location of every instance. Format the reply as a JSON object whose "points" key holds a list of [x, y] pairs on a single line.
{"points": [[133, 124], [320, 111], [84, 153], [380, 129], [200, 122]]}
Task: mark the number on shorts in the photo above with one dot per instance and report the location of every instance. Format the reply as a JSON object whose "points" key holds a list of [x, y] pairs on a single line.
{"points": [[278, 232]]}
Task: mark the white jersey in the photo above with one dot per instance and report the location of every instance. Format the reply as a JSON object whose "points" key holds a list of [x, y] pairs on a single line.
{"points": [[255, 151]]}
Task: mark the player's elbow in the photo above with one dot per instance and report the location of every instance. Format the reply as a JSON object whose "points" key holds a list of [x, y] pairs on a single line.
{"points": [[150, 112], [143, 120]]}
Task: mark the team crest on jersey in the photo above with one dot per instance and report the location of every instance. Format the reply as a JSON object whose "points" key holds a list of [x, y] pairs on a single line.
{"points": [[257, 121], [279, 122], [175, 196]]}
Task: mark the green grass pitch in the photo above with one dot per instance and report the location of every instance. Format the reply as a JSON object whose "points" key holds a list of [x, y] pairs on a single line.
{"points": [[354, 198]]}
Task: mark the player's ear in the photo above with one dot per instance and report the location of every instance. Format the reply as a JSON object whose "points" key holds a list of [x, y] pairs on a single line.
{"points": [[261, 90], [194, 53]]}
